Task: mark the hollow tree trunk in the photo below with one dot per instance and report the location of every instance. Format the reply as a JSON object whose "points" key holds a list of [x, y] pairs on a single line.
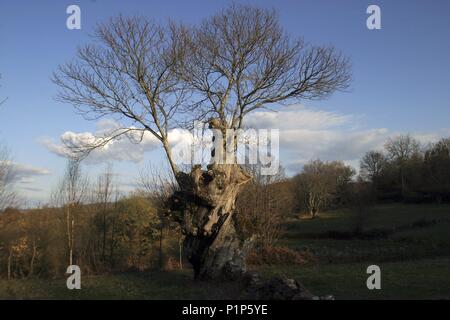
{"points": [[205, 208]]}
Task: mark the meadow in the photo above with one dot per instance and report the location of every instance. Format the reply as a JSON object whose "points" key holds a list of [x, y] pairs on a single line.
{"points": [[410, 243]]}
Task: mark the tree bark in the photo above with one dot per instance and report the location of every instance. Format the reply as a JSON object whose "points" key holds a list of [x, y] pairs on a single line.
{"points": [[205, 207]]}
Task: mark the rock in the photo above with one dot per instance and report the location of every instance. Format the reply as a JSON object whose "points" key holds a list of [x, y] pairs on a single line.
{"points": [[279, 288], [251, 279], [232, 271]]}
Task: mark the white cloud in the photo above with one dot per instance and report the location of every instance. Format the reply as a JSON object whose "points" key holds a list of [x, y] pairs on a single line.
{"points": [[129, 147], [296, 117], [346, 145], [24, 173], [430, 137], [305, 134]]}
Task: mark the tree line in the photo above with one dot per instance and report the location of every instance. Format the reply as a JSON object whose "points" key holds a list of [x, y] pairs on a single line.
{"points": [[407, 171]]}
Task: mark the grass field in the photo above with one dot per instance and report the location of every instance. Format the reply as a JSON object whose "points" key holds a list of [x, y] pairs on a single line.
{"points": [[410, 243]]}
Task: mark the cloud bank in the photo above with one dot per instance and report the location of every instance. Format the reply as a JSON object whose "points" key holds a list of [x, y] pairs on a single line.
{"points": [[24, 173], [305, 134]]}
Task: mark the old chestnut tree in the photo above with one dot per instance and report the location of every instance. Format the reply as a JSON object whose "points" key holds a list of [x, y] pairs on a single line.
{"points": [[153, 78]]}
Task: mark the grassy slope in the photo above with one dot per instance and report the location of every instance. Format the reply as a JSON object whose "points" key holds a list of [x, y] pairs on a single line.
{"points": [[412, 243], [414, 261], [415, 264], [423, 279]]}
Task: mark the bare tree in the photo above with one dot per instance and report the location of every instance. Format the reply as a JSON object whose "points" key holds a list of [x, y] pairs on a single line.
{"points": [[401, 149], [71, 194], [320, 182], [7, 194], [104, 194], [263, 205], [437, 169], [159, 186], [11, 232], [153, 77], [128, 74], [6, 176], [372, 165]]}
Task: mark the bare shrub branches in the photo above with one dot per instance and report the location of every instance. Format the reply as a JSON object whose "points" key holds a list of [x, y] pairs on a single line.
{"points": [[8, 197]]}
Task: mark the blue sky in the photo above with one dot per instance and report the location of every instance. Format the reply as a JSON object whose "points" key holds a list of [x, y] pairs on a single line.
{"points": [[401, 77]]}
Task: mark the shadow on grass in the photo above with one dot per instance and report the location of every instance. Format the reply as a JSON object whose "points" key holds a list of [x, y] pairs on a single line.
{"points": [[131, 285]]}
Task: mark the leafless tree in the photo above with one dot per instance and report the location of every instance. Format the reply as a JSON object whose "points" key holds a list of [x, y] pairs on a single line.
{"points": [[153, 77], [401, 149], [104, 195], [71, 194], [371, 165], [263, 205], [7, 195], [319, 182], [127, 74], [241, 60], [159, 185]]}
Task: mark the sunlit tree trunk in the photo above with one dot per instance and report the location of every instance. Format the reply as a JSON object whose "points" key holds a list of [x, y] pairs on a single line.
{"points": [[69, 235], [206, 207]]}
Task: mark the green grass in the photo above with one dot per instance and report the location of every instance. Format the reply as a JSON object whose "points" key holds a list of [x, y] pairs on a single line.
{"points": [[405, 240], [423, 279], [380, 217], [414, 259], [135, 285]]}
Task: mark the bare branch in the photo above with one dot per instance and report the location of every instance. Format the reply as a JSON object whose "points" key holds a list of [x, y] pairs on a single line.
{"points": [[127, 74], [241, 60], [151, 77], [7, 195]]}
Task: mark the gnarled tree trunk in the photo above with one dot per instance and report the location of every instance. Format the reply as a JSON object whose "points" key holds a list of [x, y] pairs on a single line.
{"points": [[205, 207]]}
